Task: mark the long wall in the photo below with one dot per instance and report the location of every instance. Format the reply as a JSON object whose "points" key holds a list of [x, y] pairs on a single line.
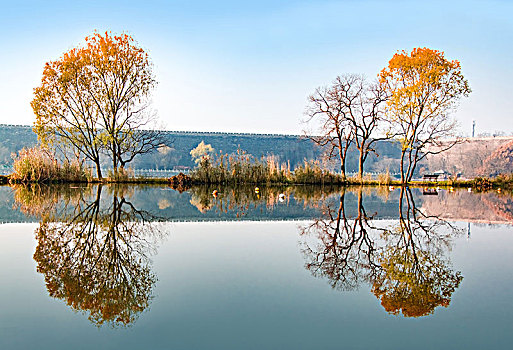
{"points": [[292, 149], [470, 158]]}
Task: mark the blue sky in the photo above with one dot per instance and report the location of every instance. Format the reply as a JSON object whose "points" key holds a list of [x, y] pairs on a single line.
{"points": [[250, 66]]}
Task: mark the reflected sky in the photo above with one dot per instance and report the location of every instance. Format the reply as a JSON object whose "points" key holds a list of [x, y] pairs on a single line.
{"points": [[243, 285]]}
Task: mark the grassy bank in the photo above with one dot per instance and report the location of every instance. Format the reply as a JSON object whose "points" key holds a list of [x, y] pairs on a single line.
{"points": [[318, 179], [243, 169]]}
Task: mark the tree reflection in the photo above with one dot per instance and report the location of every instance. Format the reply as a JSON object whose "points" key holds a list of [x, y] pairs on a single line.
{"points": [[416, 276], [97, 258], [40, 200], [345, 253], [405, 264]]}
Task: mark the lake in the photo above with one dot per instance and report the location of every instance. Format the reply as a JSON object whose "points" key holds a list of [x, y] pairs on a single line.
{"points": [[148, 267]]}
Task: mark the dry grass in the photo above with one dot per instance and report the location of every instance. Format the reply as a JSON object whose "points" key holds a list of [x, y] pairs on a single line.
{"points": [[37, 165], [239, 169], [243, 168]]}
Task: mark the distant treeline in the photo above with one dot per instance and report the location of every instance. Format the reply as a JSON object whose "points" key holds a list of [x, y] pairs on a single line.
{"points": [[292, 149]]}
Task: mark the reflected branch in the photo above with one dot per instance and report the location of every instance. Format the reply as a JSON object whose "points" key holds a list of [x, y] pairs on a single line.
{"points": [[405, 264], [416, 276], [98, 259], [345, 253]]}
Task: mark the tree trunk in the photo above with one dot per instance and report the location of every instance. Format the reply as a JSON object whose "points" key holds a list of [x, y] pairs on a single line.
{"points": [[342, 162], [360, 165], [98, 169], [412, 168], [114, 161], [403, 152]]}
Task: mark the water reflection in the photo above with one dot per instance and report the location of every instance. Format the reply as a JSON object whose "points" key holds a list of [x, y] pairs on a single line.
{"points": [[345, 252], [416, 274], [270, 203], [94, 243], [96, 257], [477, 207], [406, 264], [244, 200], [38, 201]]}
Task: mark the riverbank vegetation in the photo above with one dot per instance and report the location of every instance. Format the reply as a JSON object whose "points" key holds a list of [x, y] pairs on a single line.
{"points": [[37, 165], [242, 168], [34, 165]]}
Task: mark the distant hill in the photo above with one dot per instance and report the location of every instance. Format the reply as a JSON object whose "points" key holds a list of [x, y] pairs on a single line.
{"points": [[500, 161], [479, 156], [12, 139], [473, 157], [286, 148]]}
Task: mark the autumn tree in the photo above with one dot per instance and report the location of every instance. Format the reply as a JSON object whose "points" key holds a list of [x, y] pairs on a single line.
{"points": [[424, 89], [96, 98]]}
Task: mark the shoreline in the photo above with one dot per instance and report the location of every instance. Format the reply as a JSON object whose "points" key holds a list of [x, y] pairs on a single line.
{"points": [[477, 183]]}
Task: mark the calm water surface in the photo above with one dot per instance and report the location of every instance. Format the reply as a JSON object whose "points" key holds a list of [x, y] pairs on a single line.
{"points": [[152, 268]]}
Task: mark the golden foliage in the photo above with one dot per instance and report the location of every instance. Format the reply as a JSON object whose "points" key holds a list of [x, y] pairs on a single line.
{"points": [[91, 98], [423, 84], [424, 88], [96, 258], [414, 282]]}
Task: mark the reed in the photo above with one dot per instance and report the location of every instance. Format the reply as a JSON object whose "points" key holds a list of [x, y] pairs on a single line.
{"points": [[385, 179], [242, 168], [121, 175], [37, 165], [504, 180], [312, 173]]}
